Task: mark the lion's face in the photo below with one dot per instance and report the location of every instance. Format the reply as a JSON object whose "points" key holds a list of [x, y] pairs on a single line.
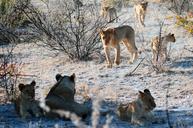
{"points": [[106, 9], [170, 37], [144, 5], [28, 90], [147, 99], [106, 36]]}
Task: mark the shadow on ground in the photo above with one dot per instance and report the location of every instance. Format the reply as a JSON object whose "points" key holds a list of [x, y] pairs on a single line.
{"points": [[186, 62], [177, 118]]}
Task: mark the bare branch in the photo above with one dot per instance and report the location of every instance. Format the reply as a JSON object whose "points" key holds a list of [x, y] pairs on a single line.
{"points": [[131, 73]]}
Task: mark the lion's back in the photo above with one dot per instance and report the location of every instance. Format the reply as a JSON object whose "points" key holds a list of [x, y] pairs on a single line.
{"points": [[125, 32]]}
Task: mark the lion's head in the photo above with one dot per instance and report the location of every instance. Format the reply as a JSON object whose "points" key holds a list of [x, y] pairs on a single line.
{"points": [[28, 90], [144, 5], [147, 99], [61, 97], [64, 87], [170, 37], [105, 8], [107, 35]]}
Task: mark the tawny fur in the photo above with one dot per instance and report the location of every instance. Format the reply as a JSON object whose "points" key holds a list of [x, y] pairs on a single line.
{"points": [[140, 11], [110, 13], [138, 111], [112, 37], [160, 48], [25, 104]]}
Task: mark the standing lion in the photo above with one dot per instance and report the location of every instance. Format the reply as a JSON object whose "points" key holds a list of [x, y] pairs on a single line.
{"points": [[112, 37], [77, 4], [140, 11], [110, 13], [159, 46]]}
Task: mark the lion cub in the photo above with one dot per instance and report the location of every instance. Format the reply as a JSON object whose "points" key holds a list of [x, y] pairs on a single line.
{"points": [[110, 12], [140, 10], [159, 47], [26, 105], [112, 38], [138, 111]]}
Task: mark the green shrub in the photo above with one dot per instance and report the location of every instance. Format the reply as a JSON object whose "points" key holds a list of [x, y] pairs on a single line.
{"points": [[186, 23], [11, 14]]}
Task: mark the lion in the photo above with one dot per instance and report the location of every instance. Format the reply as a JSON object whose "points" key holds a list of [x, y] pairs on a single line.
{"points": [[140, 11], [159, 47], [25, 104], [113, 36], [77, 4], [61, 97], [110, 13], [138, 111]]}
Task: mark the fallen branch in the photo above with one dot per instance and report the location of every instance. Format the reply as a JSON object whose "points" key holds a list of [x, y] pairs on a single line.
{"points": [[131, 73], [2, 75], [188, 49], [26, 75]]}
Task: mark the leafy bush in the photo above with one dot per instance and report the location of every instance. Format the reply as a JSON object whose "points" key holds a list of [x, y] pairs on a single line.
{"points": [[5, 5], [180, 6], [9, 69], [185, 23], [10, 15], [10, 18]]}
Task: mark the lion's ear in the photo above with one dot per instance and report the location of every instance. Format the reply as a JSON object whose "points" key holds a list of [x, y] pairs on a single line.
{"points": [[21, 87], [72, 77], [33, 83], [172, 34], [100, 31], [141, 94], [147, 91], [58, 76]]}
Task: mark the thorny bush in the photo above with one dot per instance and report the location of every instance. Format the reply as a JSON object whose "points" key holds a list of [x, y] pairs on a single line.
{"points": [[67, 28]]}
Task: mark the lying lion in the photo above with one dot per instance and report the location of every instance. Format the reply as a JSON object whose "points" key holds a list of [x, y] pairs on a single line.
{"points": [[112, 37], [138, 111], [61, 97], [25, 104]]}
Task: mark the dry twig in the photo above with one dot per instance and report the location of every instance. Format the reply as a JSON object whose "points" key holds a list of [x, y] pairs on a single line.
{"points": [[131, 73]]}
